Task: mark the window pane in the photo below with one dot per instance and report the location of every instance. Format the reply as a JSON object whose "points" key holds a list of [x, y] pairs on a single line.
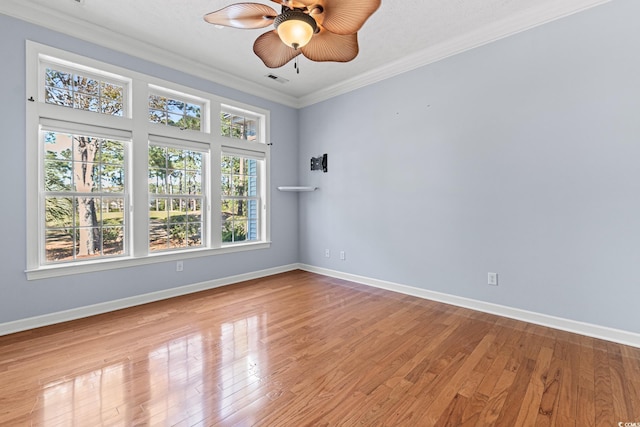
{"points": [[174, 119], [175, 158], [176, 182], [112, 152], [112, 179], [193, 110], [112, 97], [58, 79], [158, 236], [58, 212], [157, 181], [239, 185], [195, 160], [86, 85], [195, 234], [88, 242], [59, 97], [194, 211], [175, 106], [227, 230], [193, 182], [58, 245], [157, 102], [178, 237], [157, 157], [156, 116], [113, 238], [112, 211], [57, 176], [178, 210], [86, 177], [226, 185]]}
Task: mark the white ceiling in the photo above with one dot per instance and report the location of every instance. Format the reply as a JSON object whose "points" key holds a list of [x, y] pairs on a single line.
{"points": [[401, 35]]}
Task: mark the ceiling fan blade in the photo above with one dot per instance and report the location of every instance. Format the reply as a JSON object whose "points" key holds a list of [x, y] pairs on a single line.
{"points": [[327, 46], [272, 51], [243, 15], [347, 17], [291, 4]]}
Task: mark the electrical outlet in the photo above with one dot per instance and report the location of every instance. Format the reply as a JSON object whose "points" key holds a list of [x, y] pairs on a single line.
{"points": [[492, 279], [342, 256], [179, 266], [327, 253]]}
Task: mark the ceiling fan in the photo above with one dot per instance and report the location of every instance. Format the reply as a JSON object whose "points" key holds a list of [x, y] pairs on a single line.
{"points": [[322, 30]]}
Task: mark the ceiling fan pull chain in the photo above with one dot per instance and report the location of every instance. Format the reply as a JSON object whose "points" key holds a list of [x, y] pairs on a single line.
{"points": [[295, 65]]}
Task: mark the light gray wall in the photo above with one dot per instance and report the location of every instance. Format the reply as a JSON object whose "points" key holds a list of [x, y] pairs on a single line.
{"points": [[21, 299], [521, 157]]}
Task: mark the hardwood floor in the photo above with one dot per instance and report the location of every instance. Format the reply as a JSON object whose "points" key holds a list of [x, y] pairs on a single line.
{"points": [[301, 349]]}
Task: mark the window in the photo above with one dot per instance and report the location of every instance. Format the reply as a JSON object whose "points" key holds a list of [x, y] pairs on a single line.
{"points": [[175, 198], [174, 112], [238, 125], [78, 90], [240, 198], [84, 197], [114, 183]]}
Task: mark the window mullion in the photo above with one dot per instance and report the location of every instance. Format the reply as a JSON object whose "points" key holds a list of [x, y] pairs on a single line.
{"points": [[215, 201], [139, 195]]}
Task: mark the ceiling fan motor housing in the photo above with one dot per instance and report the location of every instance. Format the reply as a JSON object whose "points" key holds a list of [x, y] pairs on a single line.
{"points": [[295, 15]]}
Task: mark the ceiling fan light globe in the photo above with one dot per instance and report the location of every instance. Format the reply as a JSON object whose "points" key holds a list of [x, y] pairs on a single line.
{"points": [[295, 28]]}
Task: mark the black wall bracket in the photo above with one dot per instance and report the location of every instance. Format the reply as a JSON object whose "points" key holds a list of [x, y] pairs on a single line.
{"points": [[319, 163]]}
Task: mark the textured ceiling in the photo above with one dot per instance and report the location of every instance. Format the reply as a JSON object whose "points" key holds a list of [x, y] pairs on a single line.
{"points": [[402, 34]]}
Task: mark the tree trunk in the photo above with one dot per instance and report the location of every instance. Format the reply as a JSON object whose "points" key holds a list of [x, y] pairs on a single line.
{"points": [[89, 233]]}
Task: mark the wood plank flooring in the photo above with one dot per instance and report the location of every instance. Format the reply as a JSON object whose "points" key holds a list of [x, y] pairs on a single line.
{"points": [[300, 349]]}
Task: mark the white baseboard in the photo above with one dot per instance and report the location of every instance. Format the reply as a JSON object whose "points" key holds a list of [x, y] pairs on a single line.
{"points": [[582, 328], [587, 329], [91, 310]]}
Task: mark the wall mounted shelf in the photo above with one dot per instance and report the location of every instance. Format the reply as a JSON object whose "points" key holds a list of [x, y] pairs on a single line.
{"points": [[297, 188]]}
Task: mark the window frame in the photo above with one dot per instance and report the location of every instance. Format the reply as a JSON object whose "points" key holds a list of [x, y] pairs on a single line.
{"points": [[142, 132], [50, 126]]}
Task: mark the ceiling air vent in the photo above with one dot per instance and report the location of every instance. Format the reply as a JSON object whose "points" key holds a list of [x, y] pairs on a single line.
{"points": [[277, 78]]}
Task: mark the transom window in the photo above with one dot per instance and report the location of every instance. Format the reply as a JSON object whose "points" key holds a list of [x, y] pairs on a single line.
{"points": [[174, 112], [238, 125], [83, 92]]}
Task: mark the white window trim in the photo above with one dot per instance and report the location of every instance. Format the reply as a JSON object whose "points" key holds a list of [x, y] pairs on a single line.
{"points": [[141, 130]]}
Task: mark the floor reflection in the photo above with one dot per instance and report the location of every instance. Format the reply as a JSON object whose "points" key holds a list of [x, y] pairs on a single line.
{"points": [[243, 363], [163, 386], [81, 398]]}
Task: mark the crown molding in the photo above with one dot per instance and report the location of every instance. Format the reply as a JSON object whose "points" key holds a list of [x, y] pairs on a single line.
{"points": [[56, 21], [498, 30], [536, 16]]}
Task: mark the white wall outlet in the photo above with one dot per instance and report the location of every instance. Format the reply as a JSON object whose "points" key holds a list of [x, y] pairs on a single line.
{"points": [[327, 253], [343, 256], [179, 266], [492, 279]]}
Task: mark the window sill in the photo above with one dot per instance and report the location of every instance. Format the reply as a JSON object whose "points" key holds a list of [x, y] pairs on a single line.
{"points": [[58, 270]]}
